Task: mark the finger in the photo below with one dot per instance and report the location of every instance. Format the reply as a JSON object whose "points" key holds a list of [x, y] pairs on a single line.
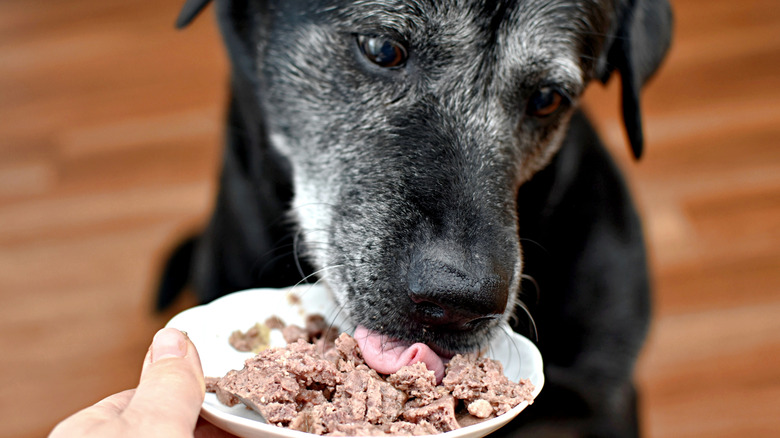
{"points": [[147, 359], [171, 389], [100, 413], [114, 404]]}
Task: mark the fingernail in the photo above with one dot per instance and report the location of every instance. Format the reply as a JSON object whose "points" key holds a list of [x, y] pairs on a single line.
{"points": [[168, 342]]}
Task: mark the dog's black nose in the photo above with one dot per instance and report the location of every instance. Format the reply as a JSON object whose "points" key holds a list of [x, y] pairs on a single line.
{"points": [[447, 296]]}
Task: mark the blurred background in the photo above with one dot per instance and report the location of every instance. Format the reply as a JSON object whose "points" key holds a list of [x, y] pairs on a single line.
{"points": [[110, 138]]}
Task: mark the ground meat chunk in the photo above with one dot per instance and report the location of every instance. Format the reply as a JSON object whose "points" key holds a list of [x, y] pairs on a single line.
{"points": [[480, 408], [417, 380], [358, 429], [365, 396], [470, 378], [414, 429], [307, 364], [277, 380], [315, 326], [440, 413], [347, 351], [255, 339], [211, 383], [330, 334], [310, 420], [293, 333], [326, 388], [226, 397], [275, 323]]}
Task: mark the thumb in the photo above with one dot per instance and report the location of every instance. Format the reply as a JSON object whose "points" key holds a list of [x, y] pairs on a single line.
{"points": [[171, 390]]}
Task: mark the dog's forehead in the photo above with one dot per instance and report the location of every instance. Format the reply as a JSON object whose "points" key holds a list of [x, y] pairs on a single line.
{"points": [[416, 13], [563, 36], [528, 32]]}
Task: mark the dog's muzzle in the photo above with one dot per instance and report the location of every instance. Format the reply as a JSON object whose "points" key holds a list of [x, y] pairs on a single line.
{"points": [[453, 298]]}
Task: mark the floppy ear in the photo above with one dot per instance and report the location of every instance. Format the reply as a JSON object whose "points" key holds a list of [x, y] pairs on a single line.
{"points": [[189, 11], [236, 38], [642, 40]]}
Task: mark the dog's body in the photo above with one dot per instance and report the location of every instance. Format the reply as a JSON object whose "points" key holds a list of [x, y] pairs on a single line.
{"points": [[406, 148]]}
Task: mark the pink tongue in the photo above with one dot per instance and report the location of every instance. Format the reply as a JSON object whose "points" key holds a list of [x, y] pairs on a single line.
{"points": [[387, 355]]}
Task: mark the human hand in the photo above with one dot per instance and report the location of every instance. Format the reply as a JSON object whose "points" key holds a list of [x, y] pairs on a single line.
{"points": [[166, 402]]}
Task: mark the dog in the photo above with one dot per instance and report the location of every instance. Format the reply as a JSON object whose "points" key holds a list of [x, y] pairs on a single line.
{"points": [[427, 160]]}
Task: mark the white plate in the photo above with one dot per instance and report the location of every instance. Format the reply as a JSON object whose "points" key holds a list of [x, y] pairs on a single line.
{"points": [[209, 326]]}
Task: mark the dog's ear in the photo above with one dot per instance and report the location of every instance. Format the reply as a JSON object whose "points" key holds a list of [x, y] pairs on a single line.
{"points": [[189, 11], [236, 36], [644, 32]]}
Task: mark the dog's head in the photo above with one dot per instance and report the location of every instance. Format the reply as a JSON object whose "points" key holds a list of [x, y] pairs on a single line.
{"points": [[409, 126]]}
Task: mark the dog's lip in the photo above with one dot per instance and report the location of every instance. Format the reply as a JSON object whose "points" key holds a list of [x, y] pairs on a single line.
{"points": [[444, 354]]}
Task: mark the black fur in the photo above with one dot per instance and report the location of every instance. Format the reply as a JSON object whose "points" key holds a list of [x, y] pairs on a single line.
{"points": [[412, 191]]}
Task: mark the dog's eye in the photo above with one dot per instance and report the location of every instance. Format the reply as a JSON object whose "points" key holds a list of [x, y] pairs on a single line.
{"points": [[383, 52], [545, 102]]}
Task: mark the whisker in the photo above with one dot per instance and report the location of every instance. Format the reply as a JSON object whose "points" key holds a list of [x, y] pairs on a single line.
{"points": [[296, 257], [532, 326], [269, 263], [317, 272], [508, 334], [537, 290], [537, 244], [339, 309]]}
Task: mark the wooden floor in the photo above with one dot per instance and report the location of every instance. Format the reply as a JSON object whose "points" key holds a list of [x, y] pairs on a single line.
{"points": [[109, 145]]}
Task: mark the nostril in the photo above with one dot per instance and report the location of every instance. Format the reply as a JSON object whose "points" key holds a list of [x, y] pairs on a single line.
{"points": [[445, 295], [430, 310]]}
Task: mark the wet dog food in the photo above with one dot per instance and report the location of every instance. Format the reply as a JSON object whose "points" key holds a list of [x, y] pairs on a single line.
{"points": [[256, 339], [320, 384]]}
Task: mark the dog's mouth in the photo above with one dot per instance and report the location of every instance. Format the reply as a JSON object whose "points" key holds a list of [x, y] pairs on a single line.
{"points": [[425, 324], [387, 355]]}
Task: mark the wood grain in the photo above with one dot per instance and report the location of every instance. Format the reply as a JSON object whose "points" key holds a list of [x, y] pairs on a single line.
{"points": [[110, 136]]}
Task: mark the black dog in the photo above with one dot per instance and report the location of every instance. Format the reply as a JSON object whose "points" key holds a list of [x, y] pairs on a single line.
{"points": [[406, 148]]}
